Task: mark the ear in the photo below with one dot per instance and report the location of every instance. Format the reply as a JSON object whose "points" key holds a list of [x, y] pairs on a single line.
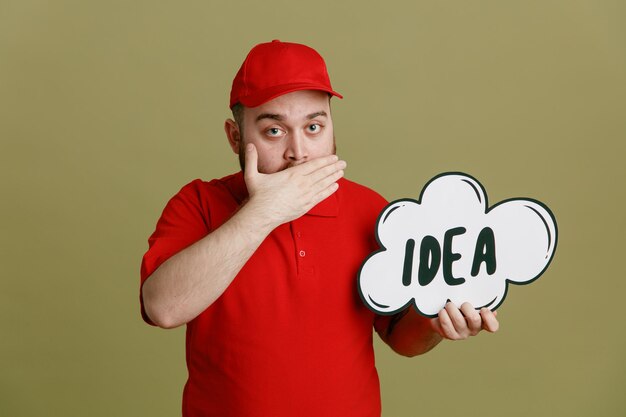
{"points": [[232, 133]]}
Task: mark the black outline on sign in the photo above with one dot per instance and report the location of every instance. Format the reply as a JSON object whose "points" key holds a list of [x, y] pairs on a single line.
{"points": [[488, 209]]}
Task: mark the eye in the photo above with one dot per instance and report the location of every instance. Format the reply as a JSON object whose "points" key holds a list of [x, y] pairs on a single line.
{"points": [[274, 132], [314, 128]]}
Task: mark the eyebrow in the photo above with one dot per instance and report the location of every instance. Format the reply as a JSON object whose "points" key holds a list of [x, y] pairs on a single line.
{"points": [[316, 114], [279, 117]]}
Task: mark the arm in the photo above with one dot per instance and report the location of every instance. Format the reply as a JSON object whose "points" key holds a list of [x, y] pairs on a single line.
{"points": [[411, 334], [190, 281]]}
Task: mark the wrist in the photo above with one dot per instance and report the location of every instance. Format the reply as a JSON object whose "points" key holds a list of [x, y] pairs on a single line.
{"points": [[255, 215]]}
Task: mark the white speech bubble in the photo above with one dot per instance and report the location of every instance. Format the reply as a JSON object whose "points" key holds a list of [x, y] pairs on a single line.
{"points": [[451, 246]]}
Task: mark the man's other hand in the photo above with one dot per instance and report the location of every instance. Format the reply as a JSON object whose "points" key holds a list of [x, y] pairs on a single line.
{"points": [[455, 323]]}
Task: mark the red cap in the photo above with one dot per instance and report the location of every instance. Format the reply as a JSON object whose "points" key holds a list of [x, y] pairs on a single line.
{"points": [[276, 68]]}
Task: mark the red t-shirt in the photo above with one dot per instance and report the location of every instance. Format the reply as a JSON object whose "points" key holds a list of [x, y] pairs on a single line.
{"points": [[290, 335]]}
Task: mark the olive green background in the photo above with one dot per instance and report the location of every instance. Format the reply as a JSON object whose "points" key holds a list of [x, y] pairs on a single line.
{"points": [[108, 108]]}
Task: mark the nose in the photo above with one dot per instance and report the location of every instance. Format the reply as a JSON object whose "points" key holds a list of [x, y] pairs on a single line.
{"points": [[296, 148]]}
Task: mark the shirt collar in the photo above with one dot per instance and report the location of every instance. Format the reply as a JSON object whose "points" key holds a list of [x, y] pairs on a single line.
{"points": [[325, 208]]}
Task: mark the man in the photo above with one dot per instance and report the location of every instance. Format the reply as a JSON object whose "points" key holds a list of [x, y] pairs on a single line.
{"points": [[261, 265]]}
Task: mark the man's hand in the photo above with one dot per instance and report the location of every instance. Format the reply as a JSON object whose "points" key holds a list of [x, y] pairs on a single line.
{"points": [[460, 323], [411, 334], [286, 195]]}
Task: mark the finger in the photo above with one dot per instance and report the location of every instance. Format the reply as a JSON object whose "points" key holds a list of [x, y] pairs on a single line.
{"points": [[490, 322], [324, 193], [315, 164], [251, 159], [327, 170], [472, 317], [324, 183], [324, 188], [447, 327], [458, 320], [436, 325]]}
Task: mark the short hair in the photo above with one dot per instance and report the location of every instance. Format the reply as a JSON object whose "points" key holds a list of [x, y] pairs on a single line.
{"points": [[238, 115]]}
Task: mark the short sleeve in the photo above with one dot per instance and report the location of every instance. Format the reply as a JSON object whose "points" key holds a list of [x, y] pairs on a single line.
{"points": [[183, 222]]}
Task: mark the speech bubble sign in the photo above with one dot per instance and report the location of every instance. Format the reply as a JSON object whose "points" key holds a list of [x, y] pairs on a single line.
{"points": [[449, 245]]}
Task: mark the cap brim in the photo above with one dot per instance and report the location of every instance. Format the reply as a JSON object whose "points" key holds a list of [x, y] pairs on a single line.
{"points": [[268, 94]]}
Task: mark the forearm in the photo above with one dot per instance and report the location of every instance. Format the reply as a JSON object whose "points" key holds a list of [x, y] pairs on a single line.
{"points": [[411, 334], [190, 281]]}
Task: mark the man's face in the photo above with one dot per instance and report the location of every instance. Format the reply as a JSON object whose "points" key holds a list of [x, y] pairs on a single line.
{"points": [[288, 130]]}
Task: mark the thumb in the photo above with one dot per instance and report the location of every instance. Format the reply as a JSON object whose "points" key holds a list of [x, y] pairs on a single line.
{"points": [[251, 160], [436, 325]]}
